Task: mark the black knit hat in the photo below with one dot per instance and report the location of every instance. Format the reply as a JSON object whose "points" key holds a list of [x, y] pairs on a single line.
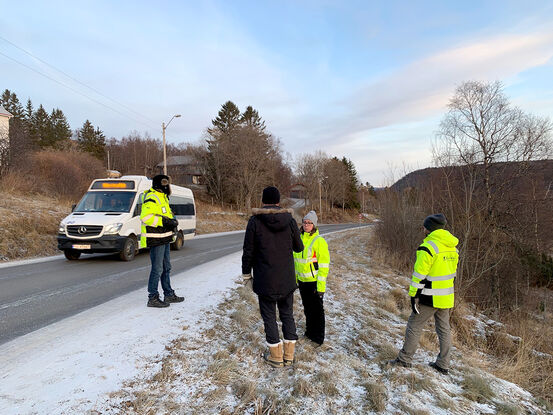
{"points": [[161, 183], [436, 221], [271, 196]]}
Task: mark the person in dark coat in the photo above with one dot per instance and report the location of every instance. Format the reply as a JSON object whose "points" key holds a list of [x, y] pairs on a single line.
{"points": [[271, 236]]}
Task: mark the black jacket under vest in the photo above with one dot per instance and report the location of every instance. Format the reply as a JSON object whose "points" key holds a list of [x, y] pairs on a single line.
{"points": [[271, 236]]}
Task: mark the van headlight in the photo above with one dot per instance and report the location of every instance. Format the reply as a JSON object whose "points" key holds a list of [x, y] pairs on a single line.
{"points": [[113, 228], [61, 228]]}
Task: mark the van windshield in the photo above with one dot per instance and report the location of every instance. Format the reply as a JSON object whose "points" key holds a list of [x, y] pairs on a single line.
{"points": [[106, 202]]}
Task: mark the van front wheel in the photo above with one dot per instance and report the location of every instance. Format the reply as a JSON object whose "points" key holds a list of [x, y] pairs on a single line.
{"points": [[179, 242], [71, 254], [129, 249]]}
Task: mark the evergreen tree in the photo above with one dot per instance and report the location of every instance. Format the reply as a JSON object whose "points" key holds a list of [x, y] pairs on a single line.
{"points": [[19, 142], [353, 184], [11, 103], [40, 126], [227, 119], [59, 130], [251, 118], [91, 140]]}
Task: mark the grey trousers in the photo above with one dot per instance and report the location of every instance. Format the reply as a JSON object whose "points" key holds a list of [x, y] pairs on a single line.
{"points": [[414, 330]]}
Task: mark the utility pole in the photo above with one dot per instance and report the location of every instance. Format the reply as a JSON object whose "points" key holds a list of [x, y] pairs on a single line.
{"points": [[163, 128]]}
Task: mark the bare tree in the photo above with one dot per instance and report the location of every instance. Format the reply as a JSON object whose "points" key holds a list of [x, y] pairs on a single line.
{"points": [[485, 146]]}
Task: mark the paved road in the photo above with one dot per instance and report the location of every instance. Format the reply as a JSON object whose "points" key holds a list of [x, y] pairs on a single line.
{"points": [[38, 294]]}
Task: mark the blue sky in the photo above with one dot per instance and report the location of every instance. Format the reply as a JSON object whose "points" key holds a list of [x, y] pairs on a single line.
{"points": [[365, 80]]}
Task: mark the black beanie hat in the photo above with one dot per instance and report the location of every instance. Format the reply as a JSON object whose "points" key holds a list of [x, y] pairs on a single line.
{"points": [[161, 183], [271, 196], [433, 222]]}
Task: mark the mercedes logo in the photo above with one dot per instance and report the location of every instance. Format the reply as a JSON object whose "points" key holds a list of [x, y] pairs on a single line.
{"points": [[81, 230]]}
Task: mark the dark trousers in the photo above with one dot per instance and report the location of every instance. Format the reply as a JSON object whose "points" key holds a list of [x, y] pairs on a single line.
{"points": [[267, 307], [161, 268], [314, 311]]}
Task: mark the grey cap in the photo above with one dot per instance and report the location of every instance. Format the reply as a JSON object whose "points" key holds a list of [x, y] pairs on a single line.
{"points": [[312, 216], [433, 222]]}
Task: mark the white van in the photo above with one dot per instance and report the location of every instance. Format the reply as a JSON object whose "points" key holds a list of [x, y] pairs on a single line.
{"points": [[107, 218]]}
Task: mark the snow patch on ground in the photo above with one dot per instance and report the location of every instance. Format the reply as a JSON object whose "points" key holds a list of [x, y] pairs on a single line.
{"points": [[67, 366]]}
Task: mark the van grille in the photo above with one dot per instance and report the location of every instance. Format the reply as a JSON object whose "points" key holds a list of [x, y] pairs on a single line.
{"points": [[84, 230]]}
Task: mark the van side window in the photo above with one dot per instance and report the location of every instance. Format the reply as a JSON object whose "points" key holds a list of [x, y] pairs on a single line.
{"points": [[138, 208], [181, 206]]}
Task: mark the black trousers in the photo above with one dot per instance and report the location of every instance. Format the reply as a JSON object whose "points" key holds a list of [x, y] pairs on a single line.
{"points": [[267, 307], [314, 311]]}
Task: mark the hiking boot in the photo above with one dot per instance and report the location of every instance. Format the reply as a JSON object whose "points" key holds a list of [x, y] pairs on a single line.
{"points": [[274, 355], [289, 348], [156, 302], [173, 298], [438, 368], [397, 362]]}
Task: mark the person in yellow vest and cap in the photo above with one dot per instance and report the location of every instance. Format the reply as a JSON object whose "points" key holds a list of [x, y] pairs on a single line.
{"points": [[312, 266], [432, 292], [158, 231]]}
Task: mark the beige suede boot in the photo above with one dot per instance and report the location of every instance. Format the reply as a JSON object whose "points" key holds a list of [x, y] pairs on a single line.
{"points": [[289, 348], [273, 356]]}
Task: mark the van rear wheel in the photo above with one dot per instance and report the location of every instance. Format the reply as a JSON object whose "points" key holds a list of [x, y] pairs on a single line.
{"points": [[71, 254], [179, 242], [129, 249]]}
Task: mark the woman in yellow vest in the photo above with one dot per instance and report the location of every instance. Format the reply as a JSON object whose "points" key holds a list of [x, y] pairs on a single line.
{"points": [[312, 267]]}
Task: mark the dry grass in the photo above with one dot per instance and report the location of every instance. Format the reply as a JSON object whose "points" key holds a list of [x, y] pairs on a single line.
{"points": [[477, 389], [30, 225], [233, 379], [376, 396], [211, 218]]}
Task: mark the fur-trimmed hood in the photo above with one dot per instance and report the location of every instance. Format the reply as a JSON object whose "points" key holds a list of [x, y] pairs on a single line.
{"points": [[272, 209], [274, 217]]}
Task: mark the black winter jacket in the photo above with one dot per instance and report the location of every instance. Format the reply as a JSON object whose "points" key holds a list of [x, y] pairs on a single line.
{"points": [[271, 236]]}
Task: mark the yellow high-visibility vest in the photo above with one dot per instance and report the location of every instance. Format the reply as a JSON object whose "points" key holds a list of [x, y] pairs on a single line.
{"points": [[157, 206], [435, 269], [312, 264]]}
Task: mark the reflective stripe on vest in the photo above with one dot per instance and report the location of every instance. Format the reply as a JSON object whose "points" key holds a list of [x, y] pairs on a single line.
{"points": [[311, 246], [433, 245], [420, 276], [437, 291], [442, 277], [417, 285], [157, 235]]}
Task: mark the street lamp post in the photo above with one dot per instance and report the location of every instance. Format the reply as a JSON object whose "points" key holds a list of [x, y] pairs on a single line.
{"points": [[163, 128]]}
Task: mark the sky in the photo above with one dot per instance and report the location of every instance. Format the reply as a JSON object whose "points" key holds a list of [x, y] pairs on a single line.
{"points": [[366, 80]]}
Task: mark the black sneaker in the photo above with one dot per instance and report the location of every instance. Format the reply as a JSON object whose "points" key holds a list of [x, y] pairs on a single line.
{"points": [[397, 362], [173, 298], [156, 302], [438, 368]]}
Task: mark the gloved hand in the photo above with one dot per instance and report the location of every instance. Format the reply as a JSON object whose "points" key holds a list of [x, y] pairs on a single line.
{"points": [[321, 294], [246, 278], [169, 223], [415, 305]]}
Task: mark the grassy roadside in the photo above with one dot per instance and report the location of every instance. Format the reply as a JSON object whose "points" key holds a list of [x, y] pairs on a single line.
{"points": [[219, 370], [31, 223]]}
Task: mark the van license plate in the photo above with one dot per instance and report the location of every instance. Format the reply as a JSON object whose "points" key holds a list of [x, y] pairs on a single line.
{"points": [[75, 246]]}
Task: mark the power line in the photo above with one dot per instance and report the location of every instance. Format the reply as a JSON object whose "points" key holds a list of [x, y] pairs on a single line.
{"points": [[76, 80]]}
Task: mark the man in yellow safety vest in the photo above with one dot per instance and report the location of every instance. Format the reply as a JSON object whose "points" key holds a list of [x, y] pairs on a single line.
{"points": [[431, 292]]}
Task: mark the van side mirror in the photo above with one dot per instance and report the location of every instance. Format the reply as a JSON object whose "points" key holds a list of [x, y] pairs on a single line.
{"points": [[73, 207]]}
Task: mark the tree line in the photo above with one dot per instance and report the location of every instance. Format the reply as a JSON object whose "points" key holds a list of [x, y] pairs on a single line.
{"points": [[237, 155], [37, 129]]}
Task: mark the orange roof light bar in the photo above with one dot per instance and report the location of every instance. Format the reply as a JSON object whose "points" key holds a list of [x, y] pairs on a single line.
{"points": [[115, 185]]}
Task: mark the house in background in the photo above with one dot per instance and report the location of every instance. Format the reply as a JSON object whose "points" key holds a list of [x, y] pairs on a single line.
{"points": [[4, 123], [184, 171], [4, 134], [298, 191]]}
